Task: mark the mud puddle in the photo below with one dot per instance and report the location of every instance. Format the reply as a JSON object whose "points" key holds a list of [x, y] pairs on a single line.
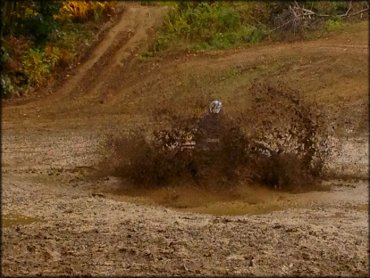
{"points": [[10, 220], [191, 199], [239, 200]]}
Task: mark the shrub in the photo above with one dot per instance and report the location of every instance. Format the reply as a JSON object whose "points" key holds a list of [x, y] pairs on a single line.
{"points": [[38, 64], [40, 35], [84, 10], [7, 86], [200, 25], [333, 25]]}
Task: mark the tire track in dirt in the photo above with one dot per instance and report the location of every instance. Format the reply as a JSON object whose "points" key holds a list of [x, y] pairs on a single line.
{"points": [[82, 233], [113, 70], [115, 51], [94, 58], [96, 79], [93, 75]]}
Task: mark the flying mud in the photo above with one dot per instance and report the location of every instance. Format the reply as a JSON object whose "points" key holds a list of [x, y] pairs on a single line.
{"points": [[285, 147]]}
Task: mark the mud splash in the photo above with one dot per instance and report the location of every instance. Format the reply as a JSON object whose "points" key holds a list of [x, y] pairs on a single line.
{"points": [[285, 147], [241, 199]]}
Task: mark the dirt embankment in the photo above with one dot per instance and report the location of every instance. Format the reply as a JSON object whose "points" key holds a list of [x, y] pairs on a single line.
{"points": [[59, 220]]}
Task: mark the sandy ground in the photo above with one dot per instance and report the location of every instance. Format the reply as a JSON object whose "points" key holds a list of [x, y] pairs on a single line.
{"points": [[59, 219]]}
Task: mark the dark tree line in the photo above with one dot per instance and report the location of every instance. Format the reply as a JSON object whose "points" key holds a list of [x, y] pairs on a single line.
{"points": [[29, 18]]}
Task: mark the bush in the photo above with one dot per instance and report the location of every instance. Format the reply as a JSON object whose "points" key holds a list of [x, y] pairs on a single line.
{"points": [[333, 25], [7, 86], [203, 25], [41, 35], [220, 25], [81, 11], [38, 64]]}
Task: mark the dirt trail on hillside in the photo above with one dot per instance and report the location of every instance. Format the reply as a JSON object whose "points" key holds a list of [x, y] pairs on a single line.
{"points": [[113, 55], [59, 219]]}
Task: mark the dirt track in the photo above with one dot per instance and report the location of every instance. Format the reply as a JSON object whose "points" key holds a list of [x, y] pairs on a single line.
{"points": [[57, 219]]}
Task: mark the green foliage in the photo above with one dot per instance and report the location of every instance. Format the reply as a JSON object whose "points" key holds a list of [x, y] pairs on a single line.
{"points": [[332, 8], [206, 26], [6, 85], [224, 24], [33, 19], [333, 24], [4, 57], [38, 36], [83, 11], [37, 65]]}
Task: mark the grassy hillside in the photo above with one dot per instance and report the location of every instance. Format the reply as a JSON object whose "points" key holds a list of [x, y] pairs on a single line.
{"points": [[220, 25]]}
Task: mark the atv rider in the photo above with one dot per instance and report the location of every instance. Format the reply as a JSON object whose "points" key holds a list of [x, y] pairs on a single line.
{"points": [[210, 127]]}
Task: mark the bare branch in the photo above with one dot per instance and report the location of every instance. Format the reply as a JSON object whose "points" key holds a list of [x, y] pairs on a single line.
{"points": [[359, 12], [281, 26], [300, 13], [348, 10]]}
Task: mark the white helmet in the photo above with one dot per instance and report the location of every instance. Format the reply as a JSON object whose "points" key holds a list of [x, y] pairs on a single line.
{"points": [[215, 107]]}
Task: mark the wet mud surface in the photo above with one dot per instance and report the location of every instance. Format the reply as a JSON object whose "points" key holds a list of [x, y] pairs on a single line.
{"points": [[61, 218]]}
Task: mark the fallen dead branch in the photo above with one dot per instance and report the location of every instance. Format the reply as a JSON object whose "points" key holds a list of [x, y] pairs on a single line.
{"points": [[299, 14]]}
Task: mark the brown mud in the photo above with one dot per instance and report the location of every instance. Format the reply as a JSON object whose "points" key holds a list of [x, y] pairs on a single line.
{"points": [[59, 219]]}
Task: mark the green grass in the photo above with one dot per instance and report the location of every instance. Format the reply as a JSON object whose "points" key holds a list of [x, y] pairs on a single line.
{"points": [[334, 25], [204, 26]]}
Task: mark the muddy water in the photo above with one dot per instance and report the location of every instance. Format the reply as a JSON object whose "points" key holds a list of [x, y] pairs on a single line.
{"points": [[10, 220], [241, 199], [349, 166]]}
